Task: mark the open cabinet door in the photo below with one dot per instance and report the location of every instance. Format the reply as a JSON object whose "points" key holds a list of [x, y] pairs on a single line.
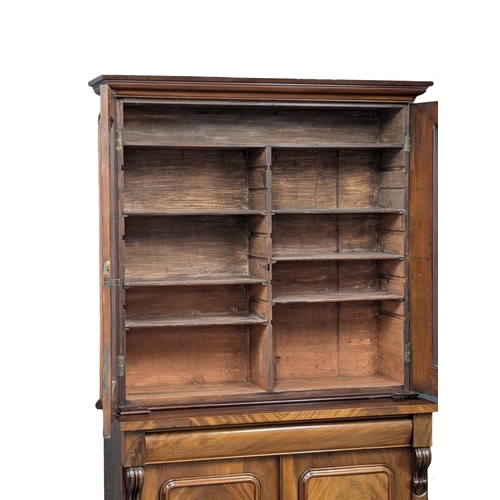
{"points": [[109, 274], [423, 247]]}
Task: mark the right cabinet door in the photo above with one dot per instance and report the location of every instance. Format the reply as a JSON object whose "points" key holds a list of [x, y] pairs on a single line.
{"points": [[348, 475]]}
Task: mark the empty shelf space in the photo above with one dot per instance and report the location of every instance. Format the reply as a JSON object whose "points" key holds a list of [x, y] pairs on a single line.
{"points": [[223, 319], [330, 234], [338, 181], [168, 126], [291, 297], [193, 181], [282, 257], [161, 248]]}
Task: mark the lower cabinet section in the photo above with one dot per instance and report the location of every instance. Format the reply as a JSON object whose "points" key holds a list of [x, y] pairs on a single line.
{"points": [[356, 475], [359, 459]]}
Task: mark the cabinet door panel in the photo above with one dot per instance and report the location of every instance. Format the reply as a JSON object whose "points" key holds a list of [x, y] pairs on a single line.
{"points": [[347, 483], [231, 487], [383, 474], [234, 479]]}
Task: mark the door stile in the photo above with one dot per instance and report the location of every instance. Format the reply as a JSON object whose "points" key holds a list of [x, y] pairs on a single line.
{"points": [[120, 244], [423, 247], [109, 282]]}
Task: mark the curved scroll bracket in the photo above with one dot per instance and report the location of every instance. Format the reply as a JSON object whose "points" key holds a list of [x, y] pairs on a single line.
{"points": [[134, 481], [422, 460]]}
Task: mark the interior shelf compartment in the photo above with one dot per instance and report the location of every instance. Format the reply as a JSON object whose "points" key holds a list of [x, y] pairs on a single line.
{"points": [[149, 307], [174, 181], [336, 345], [337, 237], [281, 126], [190, 362], [337, 281], [344, 181], [196, 248]]}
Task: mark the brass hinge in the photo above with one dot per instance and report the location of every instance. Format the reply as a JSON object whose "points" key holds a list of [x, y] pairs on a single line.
{"points": [[407, 143], [408, 353], [120, 365], [119, 139], [111, 282]]}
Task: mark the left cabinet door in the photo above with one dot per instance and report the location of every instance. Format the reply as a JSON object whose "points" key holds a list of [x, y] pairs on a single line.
{"points": [[109, 257], [243, 478]]}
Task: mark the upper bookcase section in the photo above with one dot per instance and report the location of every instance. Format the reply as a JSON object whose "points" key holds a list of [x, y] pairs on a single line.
{"points": [[250, 89]]}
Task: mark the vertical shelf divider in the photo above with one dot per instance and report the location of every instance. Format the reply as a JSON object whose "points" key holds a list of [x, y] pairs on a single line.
{"points": [[269, 225], [260, 338]]}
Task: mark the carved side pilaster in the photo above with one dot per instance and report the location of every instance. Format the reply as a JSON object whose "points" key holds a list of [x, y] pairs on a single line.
{"points": [[422, 460], [134, 480]]}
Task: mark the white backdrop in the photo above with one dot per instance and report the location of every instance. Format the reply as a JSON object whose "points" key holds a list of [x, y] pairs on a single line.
{"points": [[52, 445]]}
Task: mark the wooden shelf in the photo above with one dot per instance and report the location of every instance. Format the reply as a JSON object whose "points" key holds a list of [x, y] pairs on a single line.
{"points": [[196, 281], [289, 297], [227, 319], [338, 145], [186, 393], [366, 382], [168, 213], [282, 257], [148, 143], [347, 210], [291, 211]]}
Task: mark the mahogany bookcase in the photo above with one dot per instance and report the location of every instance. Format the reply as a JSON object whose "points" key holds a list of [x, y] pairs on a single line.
{"points": [[268, 288]]}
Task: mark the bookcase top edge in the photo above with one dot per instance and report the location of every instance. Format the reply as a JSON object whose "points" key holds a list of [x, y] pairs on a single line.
{"points": [[272, 89]]}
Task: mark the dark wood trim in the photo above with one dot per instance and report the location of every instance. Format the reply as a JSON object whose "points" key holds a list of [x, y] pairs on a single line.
{"points": [[435, 248], [134, 481], [199, 88], [422, 460], [274, 412]]}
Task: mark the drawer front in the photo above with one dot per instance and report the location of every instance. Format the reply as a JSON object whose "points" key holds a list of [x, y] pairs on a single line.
{"points": [[276, 440]]}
